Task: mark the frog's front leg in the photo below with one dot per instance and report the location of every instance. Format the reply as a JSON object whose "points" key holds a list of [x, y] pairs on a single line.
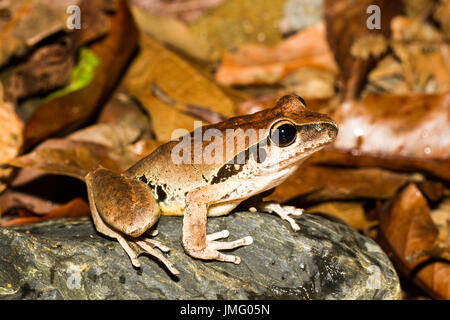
{"points": [[124, 209], [284, 212], [194, 239]]}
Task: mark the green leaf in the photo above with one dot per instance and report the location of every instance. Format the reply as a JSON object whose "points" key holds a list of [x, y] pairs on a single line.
{"points": [[82, 74]]}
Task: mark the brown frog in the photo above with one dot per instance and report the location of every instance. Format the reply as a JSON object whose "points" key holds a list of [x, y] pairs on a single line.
{"points": [[198, 178]]}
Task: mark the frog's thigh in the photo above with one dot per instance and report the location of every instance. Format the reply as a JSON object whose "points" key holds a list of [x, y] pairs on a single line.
{"points": [[126, 205]]}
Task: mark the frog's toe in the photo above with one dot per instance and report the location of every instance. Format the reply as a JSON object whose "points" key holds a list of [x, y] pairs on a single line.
{"points": [[231, 245], [130, 251], [217, 235], [215, 246], [152, 233], [156, 244], [284, 212], [148, 245], [135, 247]]}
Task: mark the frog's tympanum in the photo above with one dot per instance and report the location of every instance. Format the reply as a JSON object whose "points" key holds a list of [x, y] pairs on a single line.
{"points": [[207, 178]]}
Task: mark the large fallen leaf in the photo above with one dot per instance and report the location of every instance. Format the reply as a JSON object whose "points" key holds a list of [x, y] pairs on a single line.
{"points": [[354, 45], [408, 232], [74, 108], [433, 167], [407, 226], [10, 137], [26, 26], [123, 110], [14, 199], [254, 63], [352, 213], [415, 126], [73, 209], [441, 219], [158, 66], [435, 277], [312, 184], [66, 157], [113, 146], [47, 68]]}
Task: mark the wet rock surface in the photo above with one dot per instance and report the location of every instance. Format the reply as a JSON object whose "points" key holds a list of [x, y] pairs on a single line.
{"points": [[68, 259]]}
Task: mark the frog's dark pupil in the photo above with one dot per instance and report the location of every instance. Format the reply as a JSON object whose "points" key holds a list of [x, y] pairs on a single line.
{"points": [[284, 135]]}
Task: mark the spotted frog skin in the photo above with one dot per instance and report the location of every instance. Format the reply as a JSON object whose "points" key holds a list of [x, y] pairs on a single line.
{"points": [[126, 206]]}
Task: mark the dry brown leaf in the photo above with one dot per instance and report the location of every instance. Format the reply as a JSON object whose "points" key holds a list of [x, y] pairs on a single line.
{"points": [[66, 157], [74, 108], [13, 199], [409, 234], [158, 66], [352, 213], [49, 67], [73, 209], [315, 184], [407, 227], [110, 135], [261, 64], [346, 24], [412, 126], [173, 32], [25, 27], [10, 138], [435, 278], [425, 66], [441, 218], [122, 109], [435, 167]]}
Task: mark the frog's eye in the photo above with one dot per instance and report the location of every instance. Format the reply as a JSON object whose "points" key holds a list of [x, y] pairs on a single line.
{"points": [[283, 133]]}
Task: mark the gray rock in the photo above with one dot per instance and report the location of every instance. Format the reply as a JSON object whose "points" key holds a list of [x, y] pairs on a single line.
{"points": [[67, 259]]}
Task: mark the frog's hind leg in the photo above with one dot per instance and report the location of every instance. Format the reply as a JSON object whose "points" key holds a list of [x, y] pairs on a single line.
{"points": [[125, 209]]}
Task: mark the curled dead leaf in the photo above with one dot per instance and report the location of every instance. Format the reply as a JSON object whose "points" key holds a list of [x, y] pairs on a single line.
{"points": [[256, 64], [408, 232]]}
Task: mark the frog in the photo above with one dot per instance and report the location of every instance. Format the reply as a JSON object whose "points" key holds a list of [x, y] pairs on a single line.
{"points": [[127, 206]]}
